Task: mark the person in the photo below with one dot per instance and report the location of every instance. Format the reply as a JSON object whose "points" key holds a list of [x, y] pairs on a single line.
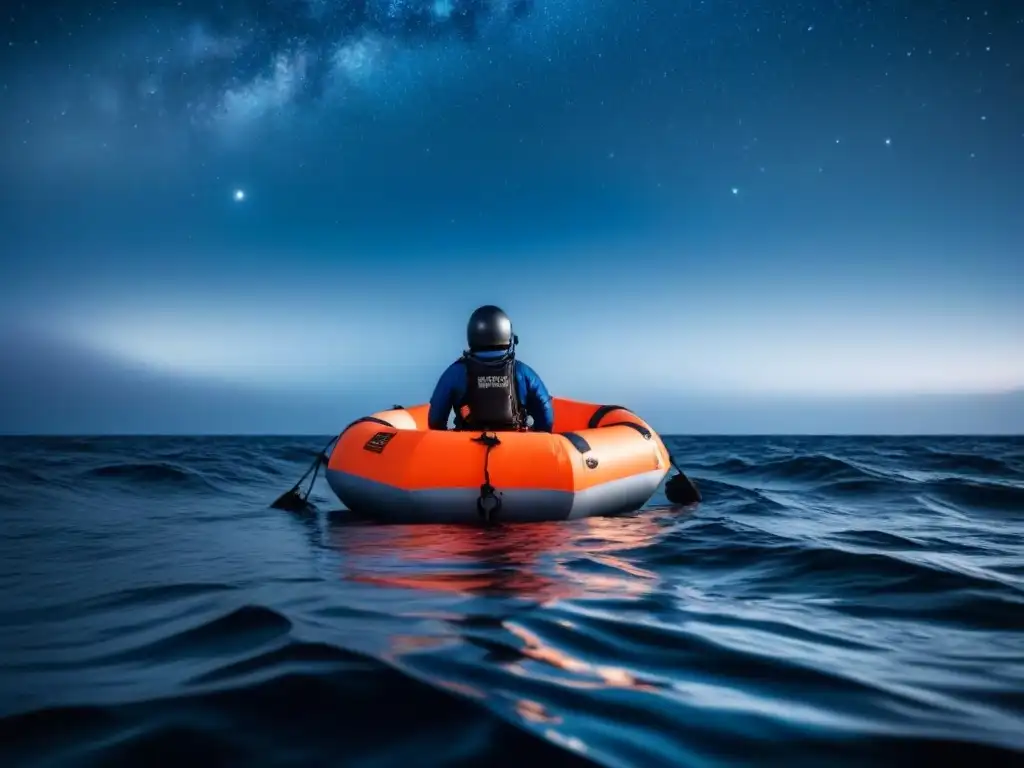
{"points": [[488, 388]]}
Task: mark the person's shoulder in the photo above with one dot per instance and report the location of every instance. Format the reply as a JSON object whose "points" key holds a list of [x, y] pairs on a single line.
{"points": [[450, 371], [453, 368], [526, 370]]}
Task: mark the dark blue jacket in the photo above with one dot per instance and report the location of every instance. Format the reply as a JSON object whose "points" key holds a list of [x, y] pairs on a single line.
{"points": [[451, 388]]}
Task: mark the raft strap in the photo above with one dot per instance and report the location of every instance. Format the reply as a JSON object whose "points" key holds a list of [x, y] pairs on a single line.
{"points": [[487, 504], [578, 441]]}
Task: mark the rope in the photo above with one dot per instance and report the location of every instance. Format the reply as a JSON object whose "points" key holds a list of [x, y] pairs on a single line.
{"points": [[487, 503]]}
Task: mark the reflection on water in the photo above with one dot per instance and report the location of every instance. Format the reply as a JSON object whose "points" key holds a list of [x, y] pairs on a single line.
{"points": [[582, 674], [510, 571], [528, 562]]}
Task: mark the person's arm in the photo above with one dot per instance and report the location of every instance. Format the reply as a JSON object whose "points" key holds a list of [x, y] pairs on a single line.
{"points": [[538, 401], [443, 399]]}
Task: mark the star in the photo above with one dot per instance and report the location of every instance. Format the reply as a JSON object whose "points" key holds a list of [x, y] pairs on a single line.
{"points": [[239, 195]]}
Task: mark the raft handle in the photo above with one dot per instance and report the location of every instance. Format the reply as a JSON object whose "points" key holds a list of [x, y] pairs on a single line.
{"points": [[601, 412]]}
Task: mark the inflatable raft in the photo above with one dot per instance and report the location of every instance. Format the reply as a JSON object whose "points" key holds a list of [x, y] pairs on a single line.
{"points": [[598, 460]]}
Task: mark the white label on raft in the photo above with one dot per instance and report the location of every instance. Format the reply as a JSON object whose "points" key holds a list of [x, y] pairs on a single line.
{"points": [[491, 382]]}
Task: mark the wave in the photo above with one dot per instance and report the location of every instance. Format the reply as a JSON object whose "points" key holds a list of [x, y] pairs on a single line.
{"points": [[154, 472], [961, 463], [977, 495], [292, 717], [813, 468]]}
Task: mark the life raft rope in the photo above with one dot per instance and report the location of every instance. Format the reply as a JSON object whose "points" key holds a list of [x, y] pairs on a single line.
{"points": [[488, 504]]}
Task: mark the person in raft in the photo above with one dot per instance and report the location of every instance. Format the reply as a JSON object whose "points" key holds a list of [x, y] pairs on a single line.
{"points": [[487, 387]]}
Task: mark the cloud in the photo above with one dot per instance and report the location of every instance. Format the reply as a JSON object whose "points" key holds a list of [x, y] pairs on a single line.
{"points": [[952, 414], [254, 347], [56, 387]]}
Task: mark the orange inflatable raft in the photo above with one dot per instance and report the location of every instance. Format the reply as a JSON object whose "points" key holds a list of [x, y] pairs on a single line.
{"points": [[598, 460]]}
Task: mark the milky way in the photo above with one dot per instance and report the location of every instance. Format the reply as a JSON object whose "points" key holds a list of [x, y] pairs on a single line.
{"points": [[262, 54], [229, 64]]}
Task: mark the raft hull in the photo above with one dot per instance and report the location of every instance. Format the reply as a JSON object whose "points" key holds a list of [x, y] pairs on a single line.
{"points": [[459, 505], [599, 460]]}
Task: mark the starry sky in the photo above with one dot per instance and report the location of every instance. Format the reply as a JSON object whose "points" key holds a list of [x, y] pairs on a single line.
{"points": [[735, 216]]}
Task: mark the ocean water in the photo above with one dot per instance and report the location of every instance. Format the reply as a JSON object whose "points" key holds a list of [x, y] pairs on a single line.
{"points": [[833, 601]]}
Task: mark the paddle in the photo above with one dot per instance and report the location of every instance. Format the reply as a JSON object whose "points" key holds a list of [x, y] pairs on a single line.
{"points": [[680, 489], [293, 501]]}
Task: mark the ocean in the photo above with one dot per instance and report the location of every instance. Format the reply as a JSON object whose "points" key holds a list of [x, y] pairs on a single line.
{"points": [[832, 601]]}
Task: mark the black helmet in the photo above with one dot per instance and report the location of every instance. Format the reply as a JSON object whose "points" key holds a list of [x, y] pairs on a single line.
{"points": [[489, 328]]}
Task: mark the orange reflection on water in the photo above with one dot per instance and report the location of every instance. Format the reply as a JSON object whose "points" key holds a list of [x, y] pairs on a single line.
{"points": [[540, 562], [534, 712], [401, 644], [533, 561], [459, 689], [607, 676]]}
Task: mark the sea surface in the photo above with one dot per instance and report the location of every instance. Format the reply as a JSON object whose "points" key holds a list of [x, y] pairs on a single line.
{"points": [[832, 601]]}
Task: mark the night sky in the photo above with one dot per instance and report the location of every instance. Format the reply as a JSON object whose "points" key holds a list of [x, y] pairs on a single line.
{"points": [[734, 216]]}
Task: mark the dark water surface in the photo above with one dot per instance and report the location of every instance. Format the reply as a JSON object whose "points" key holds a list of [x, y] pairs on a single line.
{"points": [[833, 601]]}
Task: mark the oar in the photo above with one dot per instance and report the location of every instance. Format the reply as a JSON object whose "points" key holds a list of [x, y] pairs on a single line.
{"points": [[293, 501], [680, 489]]}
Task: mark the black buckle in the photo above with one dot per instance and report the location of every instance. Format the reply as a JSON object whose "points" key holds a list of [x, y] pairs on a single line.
{"points": [[487, 438]]}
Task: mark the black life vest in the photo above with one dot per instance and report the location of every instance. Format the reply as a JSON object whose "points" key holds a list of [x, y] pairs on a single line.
{"points": [[491, 401]]}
